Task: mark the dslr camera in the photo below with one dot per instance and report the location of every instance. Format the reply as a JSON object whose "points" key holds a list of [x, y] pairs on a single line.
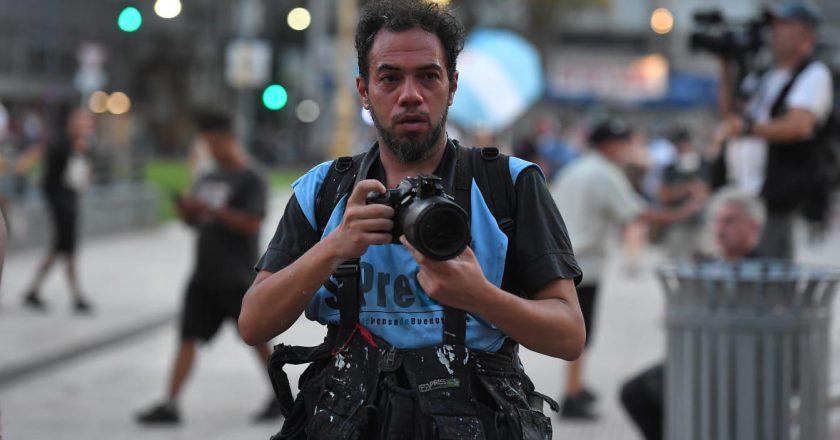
{"points": [[737, 41], [430, 219]]}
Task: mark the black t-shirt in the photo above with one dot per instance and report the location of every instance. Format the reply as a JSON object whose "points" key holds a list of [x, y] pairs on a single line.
{"points": [[56, 157], [540, 251], [225, 256], [674, 175]]}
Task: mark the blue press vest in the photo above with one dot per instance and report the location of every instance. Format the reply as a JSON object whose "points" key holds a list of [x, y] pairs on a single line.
{"points": [[394, 306]]}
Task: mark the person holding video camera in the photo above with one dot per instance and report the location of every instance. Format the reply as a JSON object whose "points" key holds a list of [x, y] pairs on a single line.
{"points": [[774, 145], [418, 345]]}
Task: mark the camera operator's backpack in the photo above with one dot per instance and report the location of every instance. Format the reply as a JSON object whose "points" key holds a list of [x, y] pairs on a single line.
{"points": [[487, 166]]}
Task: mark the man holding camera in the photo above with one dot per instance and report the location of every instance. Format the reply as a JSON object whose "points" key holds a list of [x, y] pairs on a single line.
{"points": [[417, 347], [773, 148]]}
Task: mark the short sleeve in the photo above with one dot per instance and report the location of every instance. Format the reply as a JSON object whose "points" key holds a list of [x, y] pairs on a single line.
{"points": [[250, 196], [542, 251], [293, 237], [812, 91], [619, 199]]}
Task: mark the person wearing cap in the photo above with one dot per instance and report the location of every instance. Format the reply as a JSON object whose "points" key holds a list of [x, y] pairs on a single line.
{"points": [[772, 148], [596, 199]]}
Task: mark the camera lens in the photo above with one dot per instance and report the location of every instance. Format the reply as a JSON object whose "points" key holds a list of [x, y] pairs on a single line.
{"points": [[442, 232]]}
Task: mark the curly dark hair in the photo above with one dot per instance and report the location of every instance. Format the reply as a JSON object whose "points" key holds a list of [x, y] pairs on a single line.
{"points": [[402, 15]]}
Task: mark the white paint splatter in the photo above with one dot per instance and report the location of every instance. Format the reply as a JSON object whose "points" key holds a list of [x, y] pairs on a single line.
{"points": [[340, 363], [446, 354]]}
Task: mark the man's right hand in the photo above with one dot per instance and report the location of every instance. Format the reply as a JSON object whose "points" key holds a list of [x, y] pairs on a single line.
{"points": [[363, 225]]}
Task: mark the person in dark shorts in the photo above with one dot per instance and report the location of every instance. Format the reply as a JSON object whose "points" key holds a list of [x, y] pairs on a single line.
{"points": [[63, 155], [226, 207]]}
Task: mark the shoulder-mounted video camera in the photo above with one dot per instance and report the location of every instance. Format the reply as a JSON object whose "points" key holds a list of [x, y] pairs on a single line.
{"points": [[430, 219], [733, 40]]}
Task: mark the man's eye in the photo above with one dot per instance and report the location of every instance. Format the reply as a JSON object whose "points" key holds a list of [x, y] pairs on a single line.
{"points": [[388, 78], [431, 76]]}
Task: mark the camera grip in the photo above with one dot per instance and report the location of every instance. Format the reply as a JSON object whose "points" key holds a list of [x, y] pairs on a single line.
{"points": [[374, 197]]}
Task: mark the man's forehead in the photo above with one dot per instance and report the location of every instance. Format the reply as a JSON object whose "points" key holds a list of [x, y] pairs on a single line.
{"points": [[412, 47]]}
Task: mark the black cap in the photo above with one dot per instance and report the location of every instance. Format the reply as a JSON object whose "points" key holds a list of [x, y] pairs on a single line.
{"points": [[679, 134], [801, 11], [609, 129]]}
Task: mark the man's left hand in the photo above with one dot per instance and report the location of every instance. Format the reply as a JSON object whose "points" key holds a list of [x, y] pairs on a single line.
{"points": [[458, 282], [733, 126]]}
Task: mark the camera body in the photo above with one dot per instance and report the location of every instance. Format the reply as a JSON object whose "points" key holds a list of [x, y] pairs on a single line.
{"points": [[738, 41], [430, 219]]}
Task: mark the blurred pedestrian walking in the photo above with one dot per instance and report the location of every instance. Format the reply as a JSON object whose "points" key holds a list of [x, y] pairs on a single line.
{"points": [[66, 172], [596, 198], [226, 207]]}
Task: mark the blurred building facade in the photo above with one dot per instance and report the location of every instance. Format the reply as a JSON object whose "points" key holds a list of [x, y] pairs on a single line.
{"points": [[595, 52]]}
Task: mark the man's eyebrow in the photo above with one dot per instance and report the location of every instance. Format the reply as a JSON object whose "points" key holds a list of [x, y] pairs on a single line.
{"points": [[430, 66], [389, 67]]}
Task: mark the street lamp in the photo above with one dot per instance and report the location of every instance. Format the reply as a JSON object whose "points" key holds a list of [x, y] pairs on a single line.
{"points": [[168, 8], [662, 21], [98, 102], [299, 19], [307, 111], [119, 103]]}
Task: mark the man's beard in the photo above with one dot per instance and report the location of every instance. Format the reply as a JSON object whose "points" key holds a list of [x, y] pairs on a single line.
{"points": [[414, 148]]}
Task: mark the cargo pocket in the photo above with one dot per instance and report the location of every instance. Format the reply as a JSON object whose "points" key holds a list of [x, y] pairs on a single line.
{"points": [[514, 418], [343, 408], [398, 418]]}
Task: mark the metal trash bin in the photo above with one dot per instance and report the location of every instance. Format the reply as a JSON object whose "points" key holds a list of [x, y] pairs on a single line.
{"points": [[747, 350]]}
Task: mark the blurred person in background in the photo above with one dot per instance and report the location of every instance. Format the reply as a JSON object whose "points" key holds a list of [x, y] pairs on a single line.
{"points": [[66, 171], [4, 237], [597, 199], [226, 207], [637, 166], [554, 151], [773, 148], [738, 220], [684, 180]]}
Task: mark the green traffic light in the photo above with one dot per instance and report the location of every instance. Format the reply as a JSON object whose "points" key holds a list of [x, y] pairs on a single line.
{"points": [[130, 19], [274, 97]]}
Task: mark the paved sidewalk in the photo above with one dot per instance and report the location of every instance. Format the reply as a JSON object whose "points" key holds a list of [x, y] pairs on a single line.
{"points": [[103, 368]]}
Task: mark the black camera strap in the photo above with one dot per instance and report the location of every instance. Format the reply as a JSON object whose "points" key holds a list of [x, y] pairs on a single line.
{"points": [[779, 105]]}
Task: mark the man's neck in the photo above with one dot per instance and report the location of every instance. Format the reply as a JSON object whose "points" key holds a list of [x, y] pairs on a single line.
{"points": [[236, 164], [792, 61], [396, 171]]}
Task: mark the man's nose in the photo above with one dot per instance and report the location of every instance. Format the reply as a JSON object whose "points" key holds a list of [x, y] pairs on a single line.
{"points": [[410, 93]]}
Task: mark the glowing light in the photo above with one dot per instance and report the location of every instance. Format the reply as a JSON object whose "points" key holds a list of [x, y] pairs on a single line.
{"points": [[98, 102], [130, 19], [441, 2], [308, 111], [275, 97], [119, 103], [168, 8], [662, 21], [299, 19]]}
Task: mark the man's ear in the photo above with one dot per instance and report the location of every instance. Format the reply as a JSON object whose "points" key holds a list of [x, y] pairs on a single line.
{"points": [[361, 88], [453, 87]]}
